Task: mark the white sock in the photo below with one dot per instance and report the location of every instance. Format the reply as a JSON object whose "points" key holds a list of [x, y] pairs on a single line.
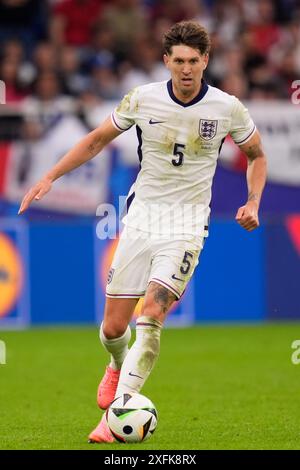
{"points": [[117, 347], [141, 357]]}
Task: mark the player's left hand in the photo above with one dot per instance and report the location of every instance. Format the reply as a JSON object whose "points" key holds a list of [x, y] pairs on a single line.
{"points": [[247, 216]]}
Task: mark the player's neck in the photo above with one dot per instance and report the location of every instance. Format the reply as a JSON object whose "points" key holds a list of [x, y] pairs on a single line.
{"points": [[186, 96]]}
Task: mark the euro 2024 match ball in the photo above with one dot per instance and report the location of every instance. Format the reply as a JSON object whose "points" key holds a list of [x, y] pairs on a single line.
{"points": [[131, 417]]}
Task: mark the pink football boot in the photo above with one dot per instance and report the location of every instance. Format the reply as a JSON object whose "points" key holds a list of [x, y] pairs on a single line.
{"points": [[107, 387], [101, 433]]}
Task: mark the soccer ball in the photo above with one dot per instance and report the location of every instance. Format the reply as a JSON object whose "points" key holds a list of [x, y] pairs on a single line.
{"points": [[131, 417]]}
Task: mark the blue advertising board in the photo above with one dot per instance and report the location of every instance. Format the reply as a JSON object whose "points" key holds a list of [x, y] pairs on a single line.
{"points": [[55, 273], [282, 260]]}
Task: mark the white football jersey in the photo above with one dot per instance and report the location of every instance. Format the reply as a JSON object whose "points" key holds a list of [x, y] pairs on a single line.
{"points": [[178, 147]]}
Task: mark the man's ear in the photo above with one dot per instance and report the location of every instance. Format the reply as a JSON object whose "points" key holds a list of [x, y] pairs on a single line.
{"points": [[166, 60], [206, 59]]}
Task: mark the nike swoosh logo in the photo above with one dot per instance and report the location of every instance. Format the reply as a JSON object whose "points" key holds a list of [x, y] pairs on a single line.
{"points": [[177, 278], [155, 122], [134, 375]]}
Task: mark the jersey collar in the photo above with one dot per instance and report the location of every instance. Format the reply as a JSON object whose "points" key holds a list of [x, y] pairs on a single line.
{"points": [[201, 94]]}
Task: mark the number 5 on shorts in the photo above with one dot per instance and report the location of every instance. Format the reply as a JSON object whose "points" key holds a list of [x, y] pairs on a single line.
{"points": [[186, 264]]}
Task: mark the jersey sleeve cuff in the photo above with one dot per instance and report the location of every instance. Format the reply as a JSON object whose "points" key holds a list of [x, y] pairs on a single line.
{"points": [[116, 125], [245, 139]]}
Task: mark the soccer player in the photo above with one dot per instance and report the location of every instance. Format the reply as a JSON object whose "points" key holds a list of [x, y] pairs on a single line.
{"points": [[181, 125]]}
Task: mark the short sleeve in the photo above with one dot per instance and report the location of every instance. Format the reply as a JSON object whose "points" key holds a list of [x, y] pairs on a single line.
{"points": [[242, 126], [124, 116]]}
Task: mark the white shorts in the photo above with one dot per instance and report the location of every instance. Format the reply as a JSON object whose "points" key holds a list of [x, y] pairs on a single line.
{"points": [[139, 260]]}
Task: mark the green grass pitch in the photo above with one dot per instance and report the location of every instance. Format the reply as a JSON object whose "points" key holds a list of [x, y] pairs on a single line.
{"points": [[215, 387]]}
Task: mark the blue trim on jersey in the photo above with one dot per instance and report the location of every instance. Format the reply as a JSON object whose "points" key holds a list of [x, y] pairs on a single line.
{"points": [[140, 154], [220, 148], [129, 201], [201, 94], [140, 140]]}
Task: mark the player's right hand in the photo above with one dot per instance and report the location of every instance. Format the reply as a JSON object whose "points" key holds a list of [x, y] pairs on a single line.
{"points": [[247, 216], [35, 193]]}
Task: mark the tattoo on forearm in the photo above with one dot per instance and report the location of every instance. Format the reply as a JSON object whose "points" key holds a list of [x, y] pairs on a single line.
{"points": [[91, 148], [94, 148], [162, 296], [253, 196], [253, 152]]}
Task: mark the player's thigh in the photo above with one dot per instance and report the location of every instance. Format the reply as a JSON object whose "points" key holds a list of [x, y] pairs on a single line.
{"points": [[130, 268], [117, 316], [174, 263], [158, 301]]}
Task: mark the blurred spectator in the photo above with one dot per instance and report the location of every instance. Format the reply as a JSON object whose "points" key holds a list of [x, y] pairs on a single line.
{"points": [[265, 31], [48, 104], [103, 40], [261, 76], [285, 55], [24, 19], [127, 19], [74, 82], [172, 10], [56, 33], [31, 131], [13, 50], [197, 10], [104, 82], [158, 29], [227, 17], [45, 57], [289, 70], [235, 84], [74, 19], [9, 74], [225, 62], [103, 45], [145, 66]]}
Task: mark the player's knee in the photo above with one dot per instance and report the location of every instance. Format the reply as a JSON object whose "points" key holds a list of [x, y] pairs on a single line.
{"points": [[157, 302], [113, 330], [152, 310]]}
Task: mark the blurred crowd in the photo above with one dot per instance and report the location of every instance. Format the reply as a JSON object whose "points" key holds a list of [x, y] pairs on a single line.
{"points": [[97, 50]]}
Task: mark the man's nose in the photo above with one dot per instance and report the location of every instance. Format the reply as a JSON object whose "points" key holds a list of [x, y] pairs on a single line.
{"points": [[186, 69]]}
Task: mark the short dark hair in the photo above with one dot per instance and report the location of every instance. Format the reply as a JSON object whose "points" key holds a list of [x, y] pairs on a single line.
{"points": [[189, 33]]}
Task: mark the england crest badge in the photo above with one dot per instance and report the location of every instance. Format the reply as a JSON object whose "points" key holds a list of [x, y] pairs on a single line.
{"points": [[207, 128]]}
